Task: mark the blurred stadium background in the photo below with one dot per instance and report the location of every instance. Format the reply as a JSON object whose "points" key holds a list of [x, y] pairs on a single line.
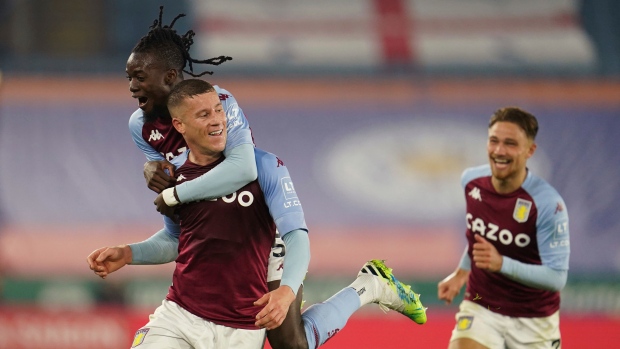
{"points": [[376, 106]]}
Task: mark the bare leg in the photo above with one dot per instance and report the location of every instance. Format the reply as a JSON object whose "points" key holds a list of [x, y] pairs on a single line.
{"points": [[291, 334]]}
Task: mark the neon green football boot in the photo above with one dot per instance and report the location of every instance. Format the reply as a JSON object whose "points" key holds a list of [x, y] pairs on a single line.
{"points": [[395, 295]]}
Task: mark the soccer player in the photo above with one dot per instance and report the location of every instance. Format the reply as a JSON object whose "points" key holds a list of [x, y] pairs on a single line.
{"points": [[516, 261], [375, 282]]}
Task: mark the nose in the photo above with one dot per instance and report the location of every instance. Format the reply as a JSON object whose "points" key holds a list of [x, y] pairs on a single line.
{"points": [[133, 86], [498, 149]]}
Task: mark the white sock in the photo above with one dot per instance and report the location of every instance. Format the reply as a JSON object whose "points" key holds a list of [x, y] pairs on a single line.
{"points": [[366, 288]]}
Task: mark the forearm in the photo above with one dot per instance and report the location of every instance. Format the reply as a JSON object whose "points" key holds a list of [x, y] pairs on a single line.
{"points": [[296, 259], [237, 170], [158, 249], [533, 275]]}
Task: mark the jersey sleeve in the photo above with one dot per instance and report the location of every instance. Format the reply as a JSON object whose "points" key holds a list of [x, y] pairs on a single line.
{"points": [[474, 172], [279, 191], [239, 167], [136, 122], [237, 125], [173, 229], [551, 227]]}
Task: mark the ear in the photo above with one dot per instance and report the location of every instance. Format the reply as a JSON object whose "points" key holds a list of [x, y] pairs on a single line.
{"points": [[532, 150], [178, 125], [171, 77]]}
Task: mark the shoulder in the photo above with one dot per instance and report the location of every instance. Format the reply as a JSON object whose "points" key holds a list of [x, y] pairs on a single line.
{"points": [[136, 120], [544, 195], [136, 123], [266, 160], [224, 94], [474, 172]]}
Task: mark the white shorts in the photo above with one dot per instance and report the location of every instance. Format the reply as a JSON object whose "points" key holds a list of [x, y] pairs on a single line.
{"points": [[174, 327], [494, 330], [276, 259]]}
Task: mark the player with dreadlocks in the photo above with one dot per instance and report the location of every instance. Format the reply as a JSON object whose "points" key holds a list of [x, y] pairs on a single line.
{"points": [[155, 66]]}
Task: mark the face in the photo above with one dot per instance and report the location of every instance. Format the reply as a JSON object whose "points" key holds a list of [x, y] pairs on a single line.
{"points": [[202, 122], [509, 148], [150, 84]]}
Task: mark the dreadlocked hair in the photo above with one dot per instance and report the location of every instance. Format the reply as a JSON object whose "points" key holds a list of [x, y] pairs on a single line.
{"points": [[173, 49]]}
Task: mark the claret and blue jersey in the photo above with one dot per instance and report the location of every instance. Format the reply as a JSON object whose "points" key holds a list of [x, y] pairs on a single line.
{"points": [[529, 225]]}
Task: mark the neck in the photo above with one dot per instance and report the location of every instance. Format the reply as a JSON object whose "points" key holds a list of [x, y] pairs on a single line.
{"points": [[510, 184]]}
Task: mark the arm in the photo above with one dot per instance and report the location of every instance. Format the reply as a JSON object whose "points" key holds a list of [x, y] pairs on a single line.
{"points": [[286, 211], [552, 234], [537, 276], [237, 170], [296, 259], [160, 248], [451, 286]]}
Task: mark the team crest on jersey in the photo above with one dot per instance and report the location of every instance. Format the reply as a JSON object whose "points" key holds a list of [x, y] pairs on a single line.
{"points": [[522, 210], [139, 337], [464, 323]]}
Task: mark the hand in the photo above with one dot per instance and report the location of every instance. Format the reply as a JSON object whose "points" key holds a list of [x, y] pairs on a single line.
{"points": [[276, 307], [156, 177], [106, 260], [485, 255], [450, 287], [163, 208]]}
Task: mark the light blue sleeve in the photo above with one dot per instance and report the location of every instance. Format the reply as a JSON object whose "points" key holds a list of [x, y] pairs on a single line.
{"points": [[533, 275], [136, 122], [474, 172], [174, 229], [553, 240], [551, 225], [279, 191], [237, 170], [239, 167], [296, 259], [160, 248]]}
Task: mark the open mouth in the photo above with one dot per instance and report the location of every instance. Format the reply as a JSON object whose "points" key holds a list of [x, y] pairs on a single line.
{"points": [[215, 133], [142, 102]]}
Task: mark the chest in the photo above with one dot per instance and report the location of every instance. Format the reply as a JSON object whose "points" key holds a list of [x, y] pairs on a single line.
{"points": [[507, 221]]}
